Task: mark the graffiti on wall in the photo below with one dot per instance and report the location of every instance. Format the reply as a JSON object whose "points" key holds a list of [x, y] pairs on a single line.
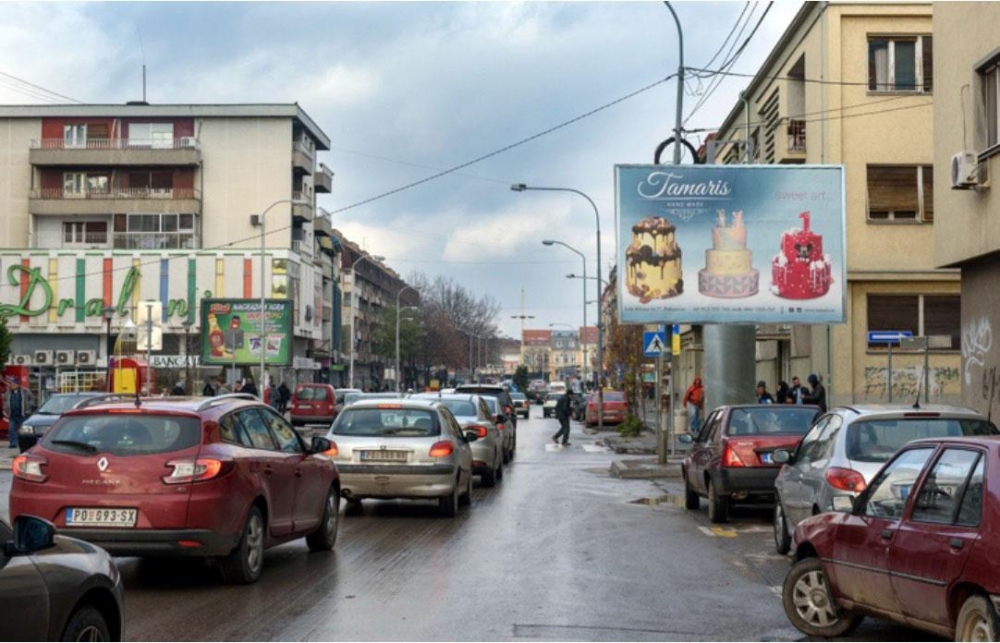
{"points": [[907, 382], [977, 340]]}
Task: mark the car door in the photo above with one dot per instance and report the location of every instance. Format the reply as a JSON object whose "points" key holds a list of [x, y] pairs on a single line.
{"points": [[310, 490], [931, 546], [276, 474], [701, 452], [794, 495], [859, 561], [25, 613]]}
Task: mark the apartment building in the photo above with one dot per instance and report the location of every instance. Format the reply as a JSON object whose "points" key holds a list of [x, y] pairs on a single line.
{"points": [[587, 357], [966, 157], [855, 84], [107, 206], [376, 287], [564, 352], [537, 344]]}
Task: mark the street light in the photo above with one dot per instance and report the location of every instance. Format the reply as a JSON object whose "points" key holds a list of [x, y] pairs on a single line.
{"points": [[108, 312], [521, 187], [258, 220], [398, 293], [575, 276], [354, 304], [583, 258]]}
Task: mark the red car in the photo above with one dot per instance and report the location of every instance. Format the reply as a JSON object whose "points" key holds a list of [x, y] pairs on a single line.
{"points": [[919, 547], [615, 408], [731, 459], [313, 404], [223, 477]]}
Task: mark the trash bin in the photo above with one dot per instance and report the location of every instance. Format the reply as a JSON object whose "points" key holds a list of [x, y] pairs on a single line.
{"points": [[680, 421]]}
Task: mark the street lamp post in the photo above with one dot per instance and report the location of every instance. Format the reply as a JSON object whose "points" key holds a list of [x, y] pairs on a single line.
{"points": [[521, 187], [108, 312], [354, 305], [583, 258], [259, 220], [398, 293]]}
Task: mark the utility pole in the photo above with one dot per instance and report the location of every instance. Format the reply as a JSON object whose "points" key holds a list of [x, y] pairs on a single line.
{"points": [[522, 317]]}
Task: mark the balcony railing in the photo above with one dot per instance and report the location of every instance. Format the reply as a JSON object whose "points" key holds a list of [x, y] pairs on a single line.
{"points": [[155, 240], [117, 194], [796, 136], [182, 143]]}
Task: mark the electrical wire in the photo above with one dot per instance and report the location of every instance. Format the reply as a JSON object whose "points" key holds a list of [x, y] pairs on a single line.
{"points": [[730, 35], [793, 78], [36, 87], [417, 165], [714, 80]]}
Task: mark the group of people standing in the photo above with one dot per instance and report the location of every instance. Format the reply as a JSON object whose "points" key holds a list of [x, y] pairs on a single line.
{"points": [[797, 393], [277, 396]]}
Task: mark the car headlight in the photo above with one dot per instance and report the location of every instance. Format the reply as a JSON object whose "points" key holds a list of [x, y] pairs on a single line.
{"points": [[26, 429]]}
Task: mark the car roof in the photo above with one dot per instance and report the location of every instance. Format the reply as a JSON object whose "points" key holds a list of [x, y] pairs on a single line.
{"points": [[192, 405], [897, 410], [784, 407], [985, 441], [464, 397], [482, 387], [402, 403]]}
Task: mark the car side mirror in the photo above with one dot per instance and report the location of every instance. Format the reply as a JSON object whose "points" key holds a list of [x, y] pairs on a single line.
{"points": [[685, 438], [319, 445], [782, 456], [471, 436], [32, 534]]}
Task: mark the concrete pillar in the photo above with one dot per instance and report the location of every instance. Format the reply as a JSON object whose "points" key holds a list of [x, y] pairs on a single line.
{"points": [[730, 365]]}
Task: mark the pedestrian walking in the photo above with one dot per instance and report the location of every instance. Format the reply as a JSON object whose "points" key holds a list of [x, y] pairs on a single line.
{"points": [[249, 387], [695, 396], [178, 388], [798, 392], [17, 406], [284, 397], [210, 389], [564, 407], [818, 395], [763, 397], [783, 392]]}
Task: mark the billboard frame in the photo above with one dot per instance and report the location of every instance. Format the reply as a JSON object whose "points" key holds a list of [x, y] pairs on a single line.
{"points": [[246, 355]]}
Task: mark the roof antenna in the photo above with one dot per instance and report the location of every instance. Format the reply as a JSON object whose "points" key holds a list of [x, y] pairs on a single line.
{"points": [[142, 49]]}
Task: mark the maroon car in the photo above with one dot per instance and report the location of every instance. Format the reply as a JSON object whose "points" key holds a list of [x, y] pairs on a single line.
{"points": [[919, 547], [222, 477], [731, 459]]}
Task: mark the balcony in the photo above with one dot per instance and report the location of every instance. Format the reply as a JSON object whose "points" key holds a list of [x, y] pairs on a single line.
{"points": [[303, 157], [321, 224], [302, 212], [103, 152], [323, 179], [58, 202]]}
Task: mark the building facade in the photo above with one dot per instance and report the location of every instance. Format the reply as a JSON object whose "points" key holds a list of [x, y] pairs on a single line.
{"points": [[108, 206], [854, 84], [965, 126]]}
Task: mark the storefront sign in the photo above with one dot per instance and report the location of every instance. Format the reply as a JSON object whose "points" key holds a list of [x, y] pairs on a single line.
{"points": [[175, 361], [235, 332]]}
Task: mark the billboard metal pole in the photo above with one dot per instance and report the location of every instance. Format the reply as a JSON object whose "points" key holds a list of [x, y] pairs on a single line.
{"points": [[149, 347]]}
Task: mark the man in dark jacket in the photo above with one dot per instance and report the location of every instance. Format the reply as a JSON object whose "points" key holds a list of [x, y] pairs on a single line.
{"points": [[284, 396], [818, 394], [564, 407]]}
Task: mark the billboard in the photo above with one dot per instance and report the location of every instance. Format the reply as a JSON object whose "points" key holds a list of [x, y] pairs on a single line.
{"points": [[231, 332], [730, 244]]}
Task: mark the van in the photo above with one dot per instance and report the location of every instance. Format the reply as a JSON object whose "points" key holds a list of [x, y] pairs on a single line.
{"points": [[557, 387], [313, 404]]}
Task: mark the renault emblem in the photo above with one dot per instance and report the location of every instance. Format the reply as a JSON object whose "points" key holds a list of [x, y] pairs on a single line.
{"points": [[102, 464]]}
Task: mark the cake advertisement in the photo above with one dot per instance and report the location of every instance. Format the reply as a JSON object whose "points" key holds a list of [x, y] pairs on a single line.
{"points": [[232, 332], [730, 244]]}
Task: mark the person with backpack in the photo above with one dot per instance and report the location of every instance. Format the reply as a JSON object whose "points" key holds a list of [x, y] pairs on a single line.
{"points": [[284, 397], [818, 395], [564, 408], [695, 396], [209, 390]]}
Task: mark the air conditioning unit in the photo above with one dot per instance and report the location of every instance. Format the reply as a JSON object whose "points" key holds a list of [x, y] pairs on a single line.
{"points": [[21, 360], [65, 358], [43, 358], [964, 171], [86, 358], [189, 141]]}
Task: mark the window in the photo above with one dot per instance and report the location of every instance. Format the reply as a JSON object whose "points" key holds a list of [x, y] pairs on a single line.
{"points": [[900, 193], [902, 64], [989, 86], [154, 231], [81, 184], [156, 135], [230, 430], [74, 136], [946, 484], [288, 439], [876, 440], [85, 232], [919, 314], [156, 183], [256, 428], [889, 491]]}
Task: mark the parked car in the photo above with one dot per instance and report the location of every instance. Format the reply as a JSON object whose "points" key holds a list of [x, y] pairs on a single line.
{"points": [[556, 387], [549, 406], [918, 547], [844, 450], [222, 477], [504, 425], [579, 407], [522, 406], [403, 449], [615, 408], [493, 390], [55, 588], [352, 397], [35, 426], [340, 396], [313, 404], [732, 457], [473, 413]]}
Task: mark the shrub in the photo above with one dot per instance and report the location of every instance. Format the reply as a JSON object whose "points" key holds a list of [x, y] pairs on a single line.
{"points": [[631, 427]]}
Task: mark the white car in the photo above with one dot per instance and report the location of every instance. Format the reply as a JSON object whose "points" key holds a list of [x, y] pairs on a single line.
{"points": [[549, 406]]}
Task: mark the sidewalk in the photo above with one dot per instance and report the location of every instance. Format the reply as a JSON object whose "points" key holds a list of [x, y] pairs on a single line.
{"points": [[7, 457]]}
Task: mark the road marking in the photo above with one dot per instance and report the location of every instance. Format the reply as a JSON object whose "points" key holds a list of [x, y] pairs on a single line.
{"points": [[706, 531], [777, 590], [723, 533], [595, 448]]}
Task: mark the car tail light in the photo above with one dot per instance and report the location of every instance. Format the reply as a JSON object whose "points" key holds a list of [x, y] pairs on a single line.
{"points": [[333, 451], [499, 426], [442, 449], [29, 467], [481, 431], [730, 458], [190, 470], [845, 479]]}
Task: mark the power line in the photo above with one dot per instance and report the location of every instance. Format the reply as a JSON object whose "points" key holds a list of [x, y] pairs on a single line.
{"points": [[730, 35], [38, 87], [417, 165], [793, 78]]}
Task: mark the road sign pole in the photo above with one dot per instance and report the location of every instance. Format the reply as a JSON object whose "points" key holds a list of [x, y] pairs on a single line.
{"points": [[890, 373], [661, 451]]}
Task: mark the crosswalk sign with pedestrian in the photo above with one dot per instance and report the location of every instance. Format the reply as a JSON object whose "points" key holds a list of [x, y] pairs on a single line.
{"points": [[654, 343]]}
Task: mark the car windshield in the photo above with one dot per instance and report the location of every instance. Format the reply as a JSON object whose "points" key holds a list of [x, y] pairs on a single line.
{"points": [[313, 393], [518, 396], [59, 404], [385, 422], [460, 408], [877, 440], [491, 402], [770, 419], [610, 396], [123, 434], [351, 398]]}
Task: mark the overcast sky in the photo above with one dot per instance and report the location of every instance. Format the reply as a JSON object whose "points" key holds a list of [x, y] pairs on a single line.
{"points": [[407, 89]]}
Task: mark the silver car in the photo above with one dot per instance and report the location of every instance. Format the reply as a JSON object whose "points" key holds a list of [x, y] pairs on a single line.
{"points": [[473, 414], [402, 449], [845, 448]]}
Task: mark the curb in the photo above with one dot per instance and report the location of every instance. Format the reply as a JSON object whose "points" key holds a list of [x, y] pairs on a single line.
{"points": [[644, 468]]}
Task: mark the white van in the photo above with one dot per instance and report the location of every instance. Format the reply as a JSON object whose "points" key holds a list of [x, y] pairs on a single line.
{"points": [[557, 387]]}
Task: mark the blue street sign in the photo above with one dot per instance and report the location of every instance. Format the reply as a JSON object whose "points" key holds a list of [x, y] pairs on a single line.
{"points": [[887, 336], [654, 343]]}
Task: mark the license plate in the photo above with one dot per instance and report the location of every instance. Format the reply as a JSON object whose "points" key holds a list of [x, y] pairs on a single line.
{"points": [[766, 458], [100, 517], [383, 456]]}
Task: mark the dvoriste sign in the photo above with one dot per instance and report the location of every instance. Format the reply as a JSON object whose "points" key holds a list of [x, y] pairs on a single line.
{"points": [[744, 244]]}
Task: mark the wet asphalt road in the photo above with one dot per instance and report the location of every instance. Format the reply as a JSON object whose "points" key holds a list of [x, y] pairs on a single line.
{"points": [[557, 551]]}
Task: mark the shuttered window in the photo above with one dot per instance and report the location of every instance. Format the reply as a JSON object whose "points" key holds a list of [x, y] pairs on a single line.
{"points": [[900, 193], [918, 314], [942, 316]]}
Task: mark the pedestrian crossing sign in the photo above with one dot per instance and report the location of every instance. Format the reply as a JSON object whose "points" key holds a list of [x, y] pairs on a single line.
{"points": [[654, 343]]}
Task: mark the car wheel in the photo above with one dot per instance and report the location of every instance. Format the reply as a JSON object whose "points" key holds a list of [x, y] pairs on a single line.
{"points": [[499, 468], [691, 500], [244, 564], [977, 620], [718, 505], [466, 498], [353, 507], [86, 624], [448, 505], [810, 605], [325, 536], [782, 541]]}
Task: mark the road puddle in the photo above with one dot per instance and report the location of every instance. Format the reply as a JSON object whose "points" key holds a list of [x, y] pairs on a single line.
{"points": [[668, 499]]}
